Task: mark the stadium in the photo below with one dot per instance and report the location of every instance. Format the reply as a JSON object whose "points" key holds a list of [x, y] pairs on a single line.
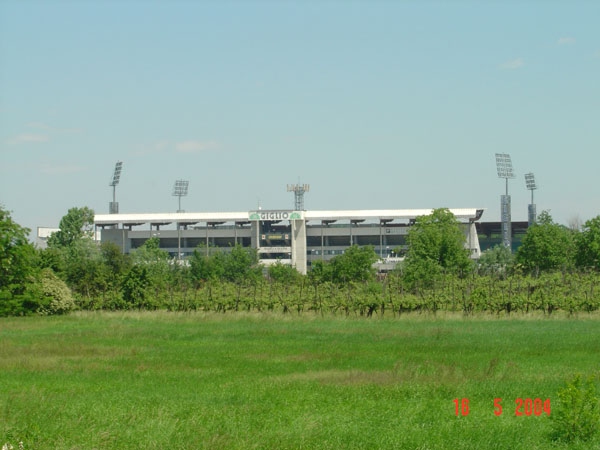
{"points": [[295, 237]]}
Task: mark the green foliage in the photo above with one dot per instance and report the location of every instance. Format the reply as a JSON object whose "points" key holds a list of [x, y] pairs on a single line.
{"points": [[135, 286], [436, 245], [496, 260], [118, 264], [319, 272], [588, 245], [55, 258], [436, 277], [578, 414], [74, 256], [355, 264], [204, 267], [77, 224], [286, 290], [19, 265], [156, 262], [86, 272], [546, 246], [93, 273], [241, 264], [573, 293], [55, 296], [283, 273], [238, 265], [18, 305], [150, 253], [420, 273], [18, 259]]}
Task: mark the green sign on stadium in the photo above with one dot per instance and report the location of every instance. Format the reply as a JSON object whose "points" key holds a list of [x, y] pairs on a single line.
{"points": [[275, 215]]}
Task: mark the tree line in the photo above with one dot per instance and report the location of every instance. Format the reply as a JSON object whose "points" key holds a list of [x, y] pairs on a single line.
{"points": [[555, 268]]}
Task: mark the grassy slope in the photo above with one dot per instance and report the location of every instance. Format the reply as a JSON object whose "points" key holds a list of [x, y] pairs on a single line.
{"points": [[160, 380]]}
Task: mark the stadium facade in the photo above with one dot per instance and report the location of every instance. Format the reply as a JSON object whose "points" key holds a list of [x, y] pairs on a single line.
{"points": [[292, 237]]}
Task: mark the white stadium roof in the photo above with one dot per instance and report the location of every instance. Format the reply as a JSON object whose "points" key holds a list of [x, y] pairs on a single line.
{"points": [[464, 214]]}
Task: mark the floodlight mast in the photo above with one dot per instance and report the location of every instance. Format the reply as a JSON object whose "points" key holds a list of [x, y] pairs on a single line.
{"points": [[505, 170], [114, 206], [298, 190], [531, 210], [180, 189]]}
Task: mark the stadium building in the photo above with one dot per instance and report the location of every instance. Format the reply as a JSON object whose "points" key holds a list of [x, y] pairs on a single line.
{"points": [[295, 237]]}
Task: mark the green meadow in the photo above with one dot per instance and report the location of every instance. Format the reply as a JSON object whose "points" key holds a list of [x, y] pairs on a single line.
{"points": [[160, 380]]}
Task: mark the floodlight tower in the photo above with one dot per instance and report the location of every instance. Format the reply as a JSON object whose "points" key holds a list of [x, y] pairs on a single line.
{"points": [[298, 190], [505, 170], [180, 190], [531, 210], [113, 207]]}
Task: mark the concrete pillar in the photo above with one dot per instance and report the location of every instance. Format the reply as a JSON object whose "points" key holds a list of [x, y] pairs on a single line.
{"points": [[473, 240], [254, 237], [299, 245]]}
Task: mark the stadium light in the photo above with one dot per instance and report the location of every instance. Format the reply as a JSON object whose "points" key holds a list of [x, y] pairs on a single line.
{"points": [[117, 174], [532, 186], [298, 190], [114, 206], [505, 170], [530, 182], [180, 189], [504, 166]]}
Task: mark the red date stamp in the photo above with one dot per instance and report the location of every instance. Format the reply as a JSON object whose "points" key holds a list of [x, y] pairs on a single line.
{"points": [[523, 407]]}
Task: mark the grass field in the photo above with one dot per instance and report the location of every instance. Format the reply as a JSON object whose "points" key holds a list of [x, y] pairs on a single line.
{"points": [[161, 380]]}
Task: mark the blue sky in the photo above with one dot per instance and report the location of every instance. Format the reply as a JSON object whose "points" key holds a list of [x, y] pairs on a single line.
{"points": [[376, 105]]}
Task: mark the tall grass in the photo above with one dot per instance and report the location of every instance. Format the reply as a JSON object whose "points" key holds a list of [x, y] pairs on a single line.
{"points": [[206, 380]]}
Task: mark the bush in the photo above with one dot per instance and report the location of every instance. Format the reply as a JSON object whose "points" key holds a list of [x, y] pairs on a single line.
{"points": [[135, 286], [578, 414], [13, 305], [44, 294], [56, 297]]}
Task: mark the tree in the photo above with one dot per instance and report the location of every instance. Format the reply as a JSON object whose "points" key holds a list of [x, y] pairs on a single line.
{"points": [[588, 245], [283, 273], [495, 260], [54, 258], [436, 244], [135, 286], [355, 264], [118, 263], [241, 264], [17, 255], [150, 252], [77, 224], [546, 246], [86, 272], [204, 267], [319, 272], [155, 262]]}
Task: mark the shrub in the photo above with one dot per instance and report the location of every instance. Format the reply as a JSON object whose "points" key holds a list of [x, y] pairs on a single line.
{"points": [[135, 286], [56, 295], [578, 413]]}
